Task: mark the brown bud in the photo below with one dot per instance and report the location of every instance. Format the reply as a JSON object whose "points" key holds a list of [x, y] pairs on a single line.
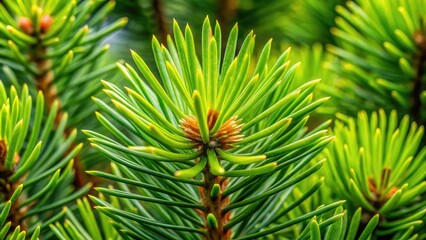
{"points": [[420, 40], [26, 25], [45, 23]]}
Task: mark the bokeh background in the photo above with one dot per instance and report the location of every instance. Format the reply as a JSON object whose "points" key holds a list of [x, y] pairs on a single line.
{"points": [[296, 23]]}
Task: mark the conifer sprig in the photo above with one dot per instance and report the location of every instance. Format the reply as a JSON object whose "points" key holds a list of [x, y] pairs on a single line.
{"points": [[54, 45], [374, 164], [35, 177], [382, 47], [214, 141]]}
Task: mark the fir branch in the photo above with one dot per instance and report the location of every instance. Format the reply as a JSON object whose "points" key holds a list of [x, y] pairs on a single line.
{"points": [[55, 43], [33, 174], [198, 142]]}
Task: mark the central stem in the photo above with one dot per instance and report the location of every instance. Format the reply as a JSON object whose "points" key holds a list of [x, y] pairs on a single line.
{"points": [[44, 80], [214, 205], [228, 134], [45, 83]]}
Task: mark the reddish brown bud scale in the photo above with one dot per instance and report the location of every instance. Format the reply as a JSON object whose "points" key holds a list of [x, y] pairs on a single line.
{"points": [[45, 23], [225, 138], [420, 40], [26, 25]]}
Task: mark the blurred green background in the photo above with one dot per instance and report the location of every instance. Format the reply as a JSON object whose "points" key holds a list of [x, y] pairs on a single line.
{"points": [[287, 22]]}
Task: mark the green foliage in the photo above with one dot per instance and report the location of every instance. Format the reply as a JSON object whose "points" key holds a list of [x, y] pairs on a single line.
{"points": [[308, 21], [296, 22], [209, 135], [54, 46], [374, 163], [313, 60], [206, 124], [305, 197], [382, 47], [91, 225], [36, 177], [349, 228], [16, 234]]}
